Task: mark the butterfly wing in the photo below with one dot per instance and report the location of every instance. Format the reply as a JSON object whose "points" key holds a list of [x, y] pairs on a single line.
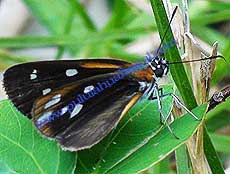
{"points": [[79, 125], [24, 83]]}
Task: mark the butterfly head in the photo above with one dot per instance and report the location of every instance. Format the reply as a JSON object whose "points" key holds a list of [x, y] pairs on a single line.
{"points": [[159, 66]]}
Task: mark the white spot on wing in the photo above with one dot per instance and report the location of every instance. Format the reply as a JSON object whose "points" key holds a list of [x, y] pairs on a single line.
{"points": [[76, 110], [34, 71], [71, 72], [64, 110], [53, 101], [46, 91], [33, 76], [44, 117], [88, 89], [57, 96]]}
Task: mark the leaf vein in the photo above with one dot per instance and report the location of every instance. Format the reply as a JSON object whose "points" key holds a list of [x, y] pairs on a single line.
{"points": [[27, 152]]}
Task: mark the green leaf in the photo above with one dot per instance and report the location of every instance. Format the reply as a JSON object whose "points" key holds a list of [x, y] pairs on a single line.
{"points": [[161, 145], [23, 150]]}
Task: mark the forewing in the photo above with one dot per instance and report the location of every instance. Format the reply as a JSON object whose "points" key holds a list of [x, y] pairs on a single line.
{"points": [[80, 125], [24, 83]]}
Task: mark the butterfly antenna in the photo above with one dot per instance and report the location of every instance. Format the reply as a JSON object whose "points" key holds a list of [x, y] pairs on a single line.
{"points": [[196, 60], [173, 14]]}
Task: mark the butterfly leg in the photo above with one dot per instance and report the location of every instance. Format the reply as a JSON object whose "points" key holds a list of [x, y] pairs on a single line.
{"points": [[150, 91], [159, 96], [163, 120], [150, 96], [159, 93], [176, 99]]}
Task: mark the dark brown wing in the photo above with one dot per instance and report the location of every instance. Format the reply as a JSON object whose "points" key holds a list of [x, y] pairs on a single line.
{"points": [[24, 83], [80, 125]]}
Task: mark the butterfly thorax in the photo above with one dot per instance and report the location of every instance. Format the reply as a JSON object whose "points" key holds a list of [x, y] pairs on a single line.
{"points": [[154, 68], [159, 66]]}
